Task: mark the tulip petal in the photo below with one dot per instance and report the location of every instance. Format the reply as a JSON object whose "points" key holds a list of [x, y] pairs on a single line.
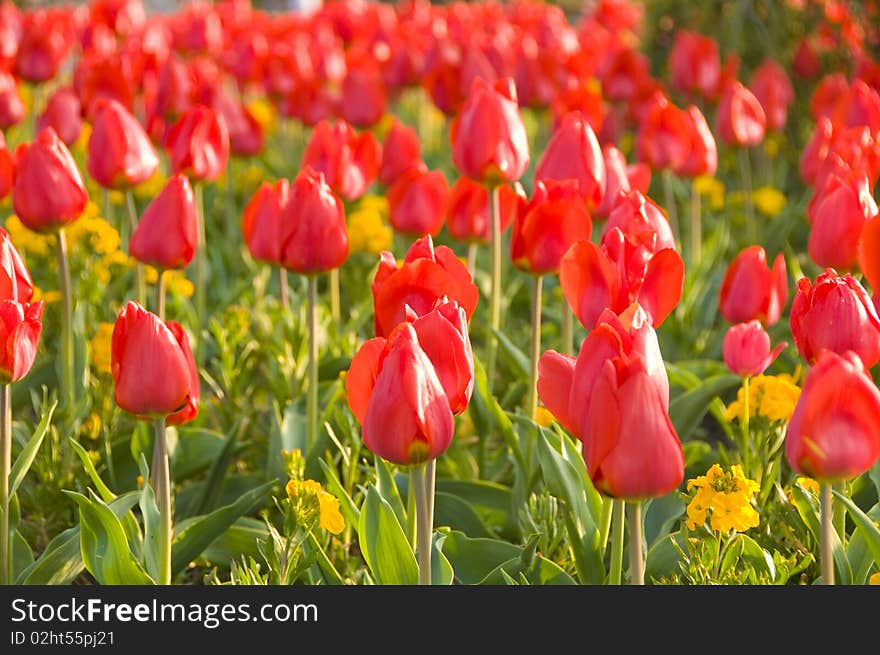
{"points": [[589, 281], [555, 378], [664, 282], [869, 253], [361, 376]]}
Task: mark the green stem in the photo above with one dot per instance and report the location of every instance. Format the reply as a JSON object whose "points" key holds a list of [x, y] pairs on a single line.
{"points": [[411, 514], [567, 328], [472, 258], [140, 278], [66, 316], [160, 294], [536, 344], [335, 303], [826, 558], [745, 171], [615, 575], [284, 293], [495, 294], [5, 468], [747, 446], [671, 208], [312, 391], [634, 526], [605, 521], [424, 527], [430, 482], [696, 226], [162, 486]]}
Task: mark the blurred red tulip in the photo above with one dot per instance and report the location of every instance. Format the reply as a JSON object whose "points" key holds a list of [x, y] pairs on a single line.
{"points": [[261, 222], [400, 152], [175, 88], [741, 119], [751, 290], [702, 158], [427, 273], [554, 219], [774, 91], [364, 96], [245, 132], [695, 64], [99, 76], [665, 135], [197, 29], [122, 16], [417, 202], [349, 162], [120, 154], [834, 433], [573, 153], [816, 150], [15, 280], [152, 364], [63, 113], [44, 46], [635, 214], [829, 97], [10, 34], [20, 328], [38, 165], [12, 109], [313, 234], [616, 180], [747, 349], [835, 314], [167, 232], [468, 214], [7, 169], [806, 62], [837, 214], [198, 144], [489, 141], [869, 254]]}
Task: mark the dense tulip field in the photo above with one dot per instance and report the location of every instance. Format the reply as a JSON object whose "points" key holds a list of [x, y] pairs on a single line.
{"points": [[466, 293]]}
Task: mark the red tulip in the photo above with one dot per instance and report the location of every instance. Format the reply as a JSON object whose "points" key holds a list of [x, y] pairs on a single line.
{"points": [[364, 96], [63, 113], [120, 152], [167, 233], [175, 88], [400, 152], [121, 16], [198, 144], [665, 135], [407, 418], [12, 109], [861, 107], [741, 119], [7, 169], [427, 273], [747, 349], [695, 64], [774, 91], [574, 154], [349, 162], [635, 214], [10, 34], [869, 254], [417, 202], [616, 180], [554, 219], [15, 280], [313, 235], [105, 76], [43, 163], [20, 328], [816, 150], [751, 290], [261, 222], [468, 213], [834, 433], [489, 141], [835, 314], [806, 62], [245, 132], [43, 48], [829, 96], [837, 214], [702, 158], [151, 363]]}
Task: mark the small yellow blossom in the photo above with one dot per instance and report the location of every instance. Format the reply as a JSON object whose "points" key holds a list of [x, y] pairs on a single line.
{"points": [[725, 498], [82, 142], [768, 201], [151, 187], [175, 281], [713, 188], [306, 494], [265, 114], [100, 237], [331, 518], [28, 242], [367, 230], [47, 297], [771, 396], [809, 484], [92, 426], [99, 347], [874, 579], [543, 417]]}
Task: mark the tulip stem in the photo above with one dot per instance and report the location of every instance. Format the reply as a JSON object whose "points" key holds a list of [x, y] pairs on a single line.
{"points": [[745, 171], [671, 209], [335, 304], [160, 294], [536, 344], [494, 318], [605, 521], [424, 527], [746, 455], [162, 486], [825, 532], [283, 293], [140, 278], [5, 467], [615, 575], [430, 481], [312, 392], [472, 258], [567, 331], [66, 317], [696, 226], [634, 526]]}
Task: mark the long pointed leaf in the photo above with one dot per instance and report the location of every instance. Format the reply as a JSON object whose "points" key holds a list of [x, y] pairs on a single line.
{"points": [[26, 457]]}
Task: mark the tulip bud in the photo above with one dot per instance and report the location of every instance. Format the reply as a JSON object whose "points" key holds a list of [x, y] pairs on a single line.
{"points": [[261, 222], [468, 212], [750, 290], [417, 202], [364, 96], [838, 214], [665, 135], [43, 48], [20, 328], [167, 233], [635, 214], [198, 144], [835, 314], [63, 114], [702, 158], [774, 91], [616, 180], [12, 109], [47, 161], [15, 280], [741, 120], [245, 132], [121, 154], [348, 161], [834, 433], [400, 152], [747, 349], [695, 64], [573, 153]]}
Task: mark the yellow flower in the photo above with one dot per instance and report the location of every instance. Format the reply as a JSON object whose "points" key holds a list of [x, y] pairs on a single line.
{"points": [[771, 396], [713, 188], [82, 142], [178, 283], [768, 201], [544, 417], [307, 497], [151, 187], [28, 242], [367, 231], [725, 498], [809, 484], [331, 519], [46, 296], [265, 113], [99, 347], [874, 579], [92, 426], [98, 234]]}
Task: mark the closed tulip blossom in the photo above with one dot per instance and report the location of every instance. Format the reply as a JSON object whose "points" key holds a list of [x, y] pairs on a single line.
{"points": [[695, 64], [20, 328], [427, 273], [47, 161], [400, 152], [702, 158], [167, 233], [63, 113], [635, 213], [838, 214], [664, 136], [468, 214], [774, 91], [15, 280], [616, 180], [364, 96], [747, 349], [489, 141], [120, 154], [835, 313], [43, 48], [349, 162], [417, 202], [198, 144], [245, 133], [573, 153], [751, 290], [741, 120], [834, 433], [261, 221], [12, 109]]}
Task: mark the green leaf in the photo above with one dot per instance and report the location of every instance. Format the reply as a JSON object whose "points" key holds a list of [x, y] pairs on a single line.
{"points": [[240, 539], [457, 514], [189, 543], [106, 494], [807, 506], [347, 508], [26, 457], [328, 572], [387, 488], [874, 474], [22, 555], [664, 557], [858, 552], [441, 570], [104, 546], [660, 515], [474, 559], [384, 544], [688, 409], [516, 359], [150, 514], [217, 474], [869, 529], [731, 555], [197, 449], [759, 558], [489, 416]]}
